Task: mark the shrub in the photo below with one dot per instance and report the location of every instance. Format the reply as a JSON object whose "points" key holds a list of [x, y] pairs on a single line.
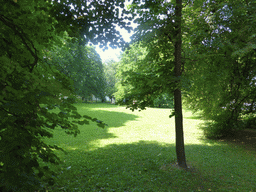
{"points": [[250, 121], [223, 125]]}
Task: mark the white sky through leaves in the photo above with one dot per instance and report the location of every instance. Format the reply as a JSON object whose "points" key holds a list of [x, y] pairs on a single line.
{"points": [[114, 54]]}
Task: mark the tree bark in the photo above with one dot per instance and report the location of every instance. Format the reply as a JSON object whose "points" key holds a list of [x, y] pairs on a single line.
{"points": [[180, 149]]}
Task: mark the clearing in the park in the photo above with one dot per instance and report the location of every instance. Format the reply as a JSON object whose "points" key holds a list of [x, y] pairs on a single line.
{"points": [[136, 152]]}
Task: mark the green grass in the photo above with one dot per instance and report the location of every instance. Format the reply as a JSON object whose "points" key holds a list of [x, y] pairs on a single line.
{"points": [[136, 152]]}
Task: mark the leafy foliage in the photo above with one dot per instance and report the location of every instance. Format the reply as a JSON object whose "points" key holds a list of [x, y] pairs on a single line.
{"points": [[83, 65], [110, 70], [31, 84], [93, 21], [222, 80], [144, 75]]}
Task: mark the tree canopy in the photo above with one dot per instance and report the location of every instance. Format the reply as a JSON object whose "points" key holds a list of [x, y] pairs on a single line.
{"points": [[33, 82], [83, 65], [221, 69], [202, 49]]}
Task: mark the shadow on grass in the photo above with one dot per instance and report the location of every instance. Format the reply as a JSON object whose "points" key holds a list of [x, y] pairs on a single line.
{"points": [[245, 139], [89, 134], [150, 166]]}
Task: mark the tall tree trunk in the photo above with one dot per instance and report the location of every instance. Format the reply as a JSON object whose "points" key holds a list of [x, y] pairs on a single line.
{"points": [[180, 151]]}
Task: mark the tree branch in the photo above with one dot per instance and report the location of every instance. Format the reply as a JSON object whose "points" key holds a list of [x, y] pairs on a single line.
{"points": [[17, 30]]}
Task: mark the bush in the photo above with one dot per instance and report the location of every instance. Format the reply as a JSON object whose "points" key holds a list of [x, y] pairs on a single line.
{"points": [[250, 121], [222, 126], [215, 130]]}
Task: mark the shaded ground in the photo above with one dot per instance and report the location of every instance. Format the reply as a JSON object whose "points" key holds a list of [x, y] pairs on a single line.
{"points": [[245, 138], [150, 166]]}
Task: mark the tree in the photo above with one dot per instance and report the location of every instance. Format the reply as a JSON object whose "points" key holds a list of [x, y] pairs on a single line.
{"points": [[180, 151], [83, 65], [133, 84], [30, 86], [26, 82], [221, 70], [159, 30], [110, 76]]}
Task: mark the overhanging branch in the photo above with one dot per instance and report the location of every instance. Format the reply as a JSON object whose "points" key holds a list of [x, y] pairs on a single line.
{"points": [[25, 40]]}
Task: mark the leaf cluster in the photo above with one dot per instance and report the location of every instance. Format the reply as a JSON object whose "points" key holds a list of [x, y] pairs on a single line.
{"points": [[93, 21]]}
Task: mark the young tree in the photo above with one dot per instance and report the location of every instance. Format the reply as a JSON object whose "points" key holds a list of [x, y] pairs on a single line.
{"points": [[180, 151], [160, 31]]}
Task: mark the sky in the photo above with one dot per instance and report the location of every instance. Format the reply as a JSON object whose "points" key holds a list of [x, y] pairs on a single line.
{"points": [[113, 53]]}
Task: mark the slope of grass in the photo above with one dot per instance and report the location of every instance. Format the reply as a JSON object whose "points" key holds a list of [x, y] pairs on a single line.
{"points": [[136, 152]]}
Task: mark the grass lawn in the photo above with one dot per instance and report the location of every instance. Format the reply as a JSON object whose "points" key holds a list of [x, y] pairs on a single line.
{"points": [[136, 152]]}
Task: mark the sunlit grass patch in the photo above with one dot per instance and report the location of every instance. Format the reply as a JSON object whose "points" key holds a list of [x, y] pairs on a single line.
{"points": [[136, 152]]}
